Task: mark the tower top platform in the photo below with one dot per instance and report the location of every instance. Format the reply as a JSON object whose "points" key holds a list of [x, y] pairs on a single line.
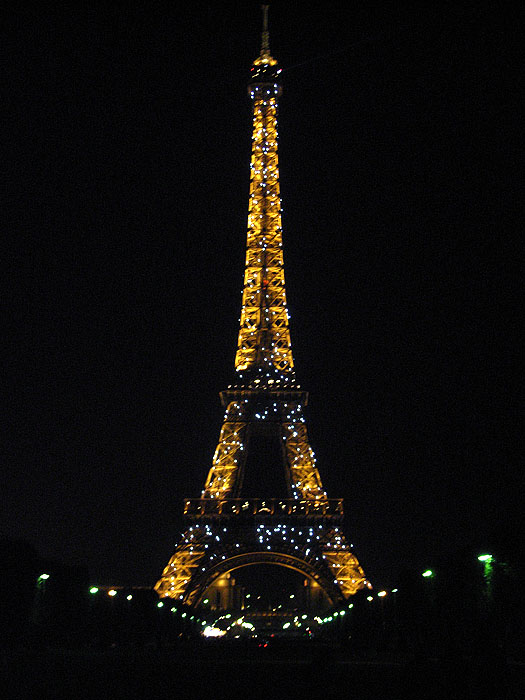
{"points": [[265, 69]]}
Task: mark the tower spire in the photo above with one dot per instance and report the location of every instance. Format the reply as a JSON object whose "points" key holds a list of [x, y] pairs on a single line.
{"points": [[265, 38]]}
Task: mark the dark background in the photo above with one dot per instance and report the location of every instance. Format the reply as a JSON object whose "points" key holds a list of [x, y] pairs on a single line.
{"points": [[127, 134]]}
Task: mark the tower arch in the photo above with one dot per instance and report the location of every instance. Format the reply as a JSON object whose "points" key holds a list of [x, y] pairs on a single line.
{"points": [[202, 582]]}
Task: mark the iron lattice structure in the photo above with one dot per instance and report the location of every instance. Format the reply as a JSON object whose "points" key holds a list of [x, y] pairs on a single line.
{"points": [[226, 531]]}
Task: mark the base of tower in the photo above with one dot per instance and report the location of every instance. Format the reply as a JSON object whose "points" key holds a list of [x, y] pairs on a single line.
{"points": [[210, 551]]}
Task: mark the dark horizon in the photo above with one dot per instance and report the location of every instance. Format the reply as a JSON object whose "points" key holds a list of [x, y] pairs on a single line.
{"points": [[128, 142]]}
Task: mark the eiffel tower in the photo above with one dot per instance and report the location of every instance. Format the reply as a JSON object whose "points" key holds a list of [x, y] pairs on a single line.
{"points": [[240, 518]]}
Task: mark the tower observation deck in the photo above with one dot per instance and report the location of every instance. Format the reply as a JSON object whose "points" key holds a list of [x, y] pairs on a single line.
{"points": [[226, 528]]}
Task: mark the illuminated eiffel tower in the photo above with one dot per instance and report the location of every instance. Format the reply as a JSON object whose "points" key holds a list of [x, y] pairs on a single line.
{"points": [[228, 528]]}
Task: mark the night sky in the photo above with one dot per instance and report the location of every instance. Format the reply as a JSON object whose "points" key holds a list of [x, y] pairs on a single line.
{"points": [[126, 139]]}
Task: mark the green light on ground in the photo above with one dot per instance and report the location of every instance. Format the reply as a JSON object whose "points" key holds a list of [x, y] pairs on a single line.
{"points": [[93, 590], [486, 558], [428, 573]]}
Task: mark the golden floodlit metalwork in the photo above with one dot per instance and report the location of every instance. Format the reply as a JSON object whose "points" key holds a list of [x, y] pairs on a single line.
{"points": [[226, 531]]}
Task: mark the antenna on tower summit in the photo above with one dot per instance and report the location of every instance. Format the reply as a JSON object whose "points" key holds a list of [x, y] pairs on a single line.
{"points": [[265, 38]]}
